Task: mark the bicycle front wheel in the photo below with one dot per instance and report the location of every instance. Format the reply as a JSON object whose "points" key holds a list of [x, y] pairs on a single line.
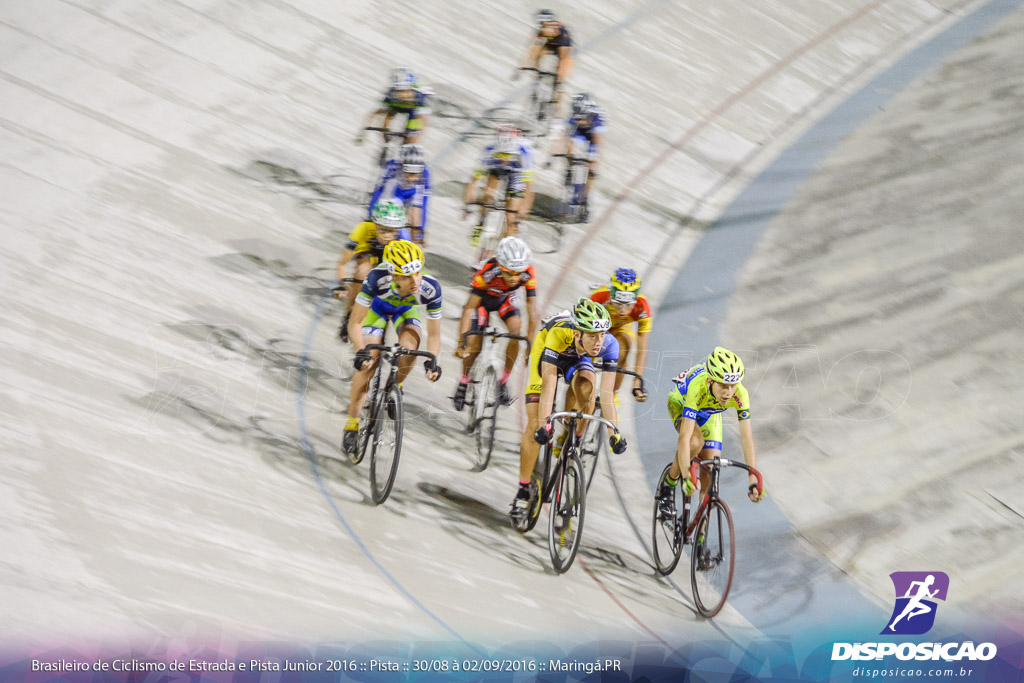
{"points": [[487, 399], [712, 559], [386, 447], [565, 518], [668, 531], [594, 438]]}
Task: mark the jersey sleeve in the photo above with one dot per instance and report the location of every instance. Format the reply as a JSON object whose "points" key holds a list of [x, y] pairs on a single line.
{"points": [[742, 401], [609, 355], [430, 294], [531, 283], [642, 314], [359, 238], [368, 292]]}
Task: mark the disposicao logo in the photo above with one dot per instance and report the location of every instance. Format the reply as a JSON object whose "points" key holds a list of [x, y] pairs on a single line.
{"points": [[916, 593], [912, 615]]}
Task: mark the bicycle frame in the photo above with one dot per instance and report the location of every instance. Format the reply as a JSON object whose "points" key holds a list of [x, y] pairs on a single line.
{"points": [[717, 464]]}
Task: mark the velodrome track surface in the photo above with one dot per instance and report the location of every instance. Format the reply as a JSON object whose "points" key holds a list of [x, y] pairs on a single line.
{"points": [[177, 181]]}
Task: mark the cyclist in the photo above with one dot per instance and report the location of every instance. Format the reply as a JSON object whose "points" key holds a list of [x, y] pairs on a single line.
{"points": [[695, 404], [407, 179], [627, 305], [391, 292], [494, 291], [366, 245], [510, 158], [585, 126], [552, 39], [569, 344], [404, 96]]}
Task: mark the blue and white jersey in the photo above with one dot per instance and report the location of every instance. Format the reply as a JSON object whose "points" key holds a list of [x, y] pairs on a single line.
{"points": [[390, 187], [378, 295], [520, 164], [587, 126]]}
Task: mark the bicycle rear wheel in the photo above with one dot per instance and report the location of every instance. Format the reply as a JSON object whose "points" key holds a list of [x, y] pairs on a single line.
{"points": [[667, 533], [540, 475], [386, 448], [565, 517], [712, 559], [472, 412], [487, 398]]}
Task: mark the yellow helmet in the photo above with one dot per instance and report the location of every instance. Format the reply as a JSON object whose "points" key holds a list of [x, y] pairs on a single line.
{"points": [[724, 366], [625, 286], [402, 257]]}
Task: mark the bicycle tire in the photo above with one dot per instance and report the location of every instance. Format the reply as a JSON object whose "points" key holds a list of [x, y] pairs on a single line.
{"points": [[711, 584], [590, 449], [542, 483], [667, 533], [383, 470], [486, 426], [366, 420], [472, 418], [566, 513]]}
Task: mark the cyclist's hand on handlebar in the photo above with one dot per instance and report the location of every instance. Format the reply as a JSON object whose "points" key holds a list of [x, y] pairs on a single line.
{"points": [[752, 491], [460, 351], [688, 486], [640, 394], [432, 369], [618, 443], [361, 358], [543, 435]]}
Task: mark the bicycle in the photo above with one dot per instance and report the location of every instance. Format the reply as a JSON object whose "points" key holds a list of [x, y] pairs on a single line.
{"points": [[595, 435], [563, 484], [482, 394], [712, 558], [574, 186], [382, 417], [387, 153], [543, 96], [495, 225]]}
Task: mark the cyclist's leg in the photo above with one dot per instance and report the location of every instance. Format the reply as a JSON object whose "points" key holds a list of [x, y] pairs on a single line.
{"points": [[509, 313], [410, 329], [582, 392], [490, 185], [675, 413], [373, 332], [475, 342], [711, 433], [515, 201]]}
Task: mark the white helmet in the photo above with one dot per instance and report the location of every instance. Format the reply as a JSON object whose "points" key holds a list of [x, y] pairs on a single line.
{"points": [[390, 213], [412, 158], [513, 254], [542, 16], [506, 140], [402, 78]]}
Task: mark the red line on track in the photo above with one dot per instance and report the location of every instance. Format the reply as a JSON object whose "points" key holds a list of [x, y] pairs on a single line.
{"points": [[618, 602], [693, 132]]}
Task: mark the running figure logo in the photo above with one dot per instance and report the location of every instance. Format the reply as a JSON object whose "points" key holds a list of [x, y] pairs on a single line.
{"points": [[916, 593]]}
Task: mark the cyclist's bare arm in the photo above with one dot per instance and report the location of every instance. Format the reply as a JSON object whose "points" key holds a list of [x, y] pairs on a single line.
{"points": [[532, 54], [549, 378], [686, 428], [607, 389], [434, 336], [641, 355], [532, 322], [355, 326], [565, 63], [470, 194], [749, 456], [596, 142], [472, 303], [346, 256]]}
